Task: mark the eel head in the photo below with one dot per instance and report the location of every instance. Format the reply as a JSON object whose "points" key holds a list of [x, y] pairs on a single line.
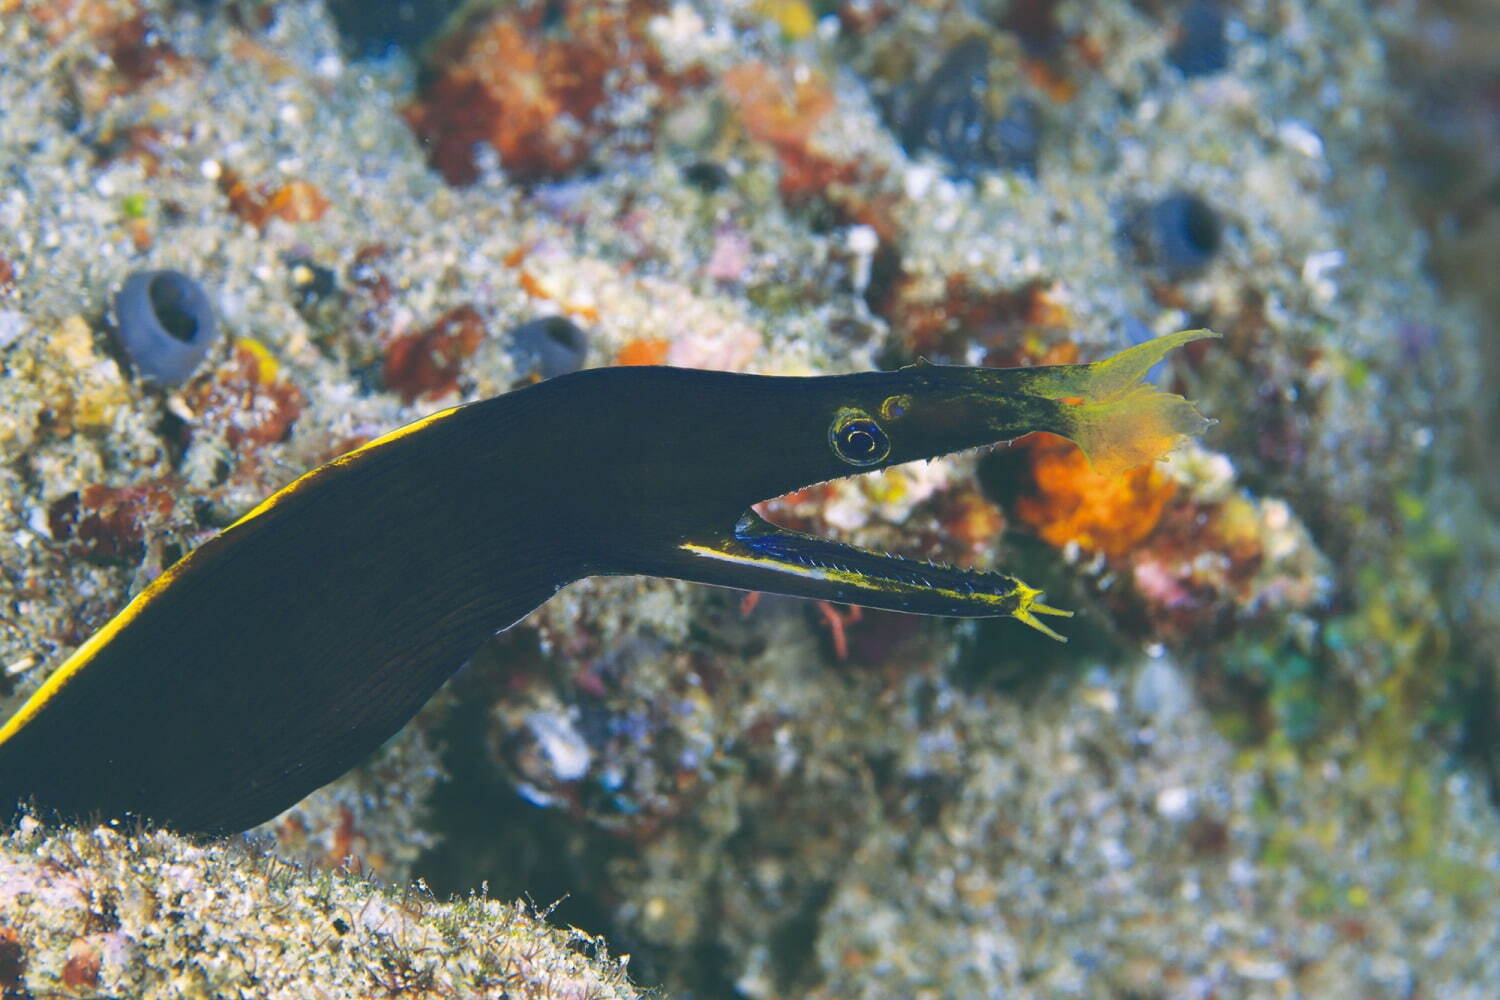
{"points": [[680, 503]]}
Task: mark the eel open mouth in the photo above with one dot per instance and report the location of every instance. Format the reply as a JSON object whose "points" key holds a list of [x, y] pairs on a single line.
{"points": [[833, 571]]}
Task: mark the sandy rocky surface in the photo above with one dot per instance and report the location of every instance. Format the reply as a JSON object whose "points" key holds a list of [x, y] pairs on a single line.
{"points": [[1257, 771]]}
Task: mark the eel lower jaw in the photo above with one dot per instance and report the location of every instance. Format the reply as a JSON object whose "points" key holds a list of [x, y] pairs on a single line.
{"points": [[758, 555]]}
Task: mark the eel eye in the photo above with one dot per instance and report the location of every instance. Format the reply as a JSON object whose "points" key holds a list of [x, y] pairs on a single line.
{"points": [[857, 439]]}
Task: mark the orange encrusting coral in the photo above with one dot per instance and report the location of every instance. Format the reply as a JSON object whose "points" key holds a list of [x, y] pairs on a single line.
{"points": [[774, 113], [130, 53], [297, 201], [529, 98], [294, 201], [1204, 567], [81, 971], [781, 107], [533, 286], [111, 523], [427, 363], [138, 53], [644, 351], [61, 18], [1030, 315], [1071, 503], [533, 92], [783, 114], [247, 398]]}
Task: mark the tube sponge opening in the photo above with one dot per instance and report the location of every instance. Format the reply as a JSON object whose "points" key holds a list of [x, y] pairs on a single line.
{"points": [[165, 324]]}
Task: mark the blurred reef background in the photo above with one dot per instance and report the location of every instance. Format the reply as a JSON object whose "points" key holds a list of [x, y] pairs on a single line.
{"points": [[1266, 765]]}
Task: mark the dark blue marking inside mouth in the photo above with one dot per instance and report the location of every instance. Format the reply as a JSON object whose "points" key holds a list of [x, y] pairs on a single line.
{"points": [[794, 548]]}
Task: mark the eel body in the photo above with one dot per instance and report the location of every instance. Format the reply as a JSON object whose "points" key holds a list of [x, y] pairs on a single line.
{"points": [[278, 654]]}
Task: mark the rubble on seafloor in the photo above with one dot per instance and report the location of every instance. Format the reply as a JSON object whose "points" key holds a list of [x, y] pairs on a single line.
{"points": [[1258, 769], [107, 912]]}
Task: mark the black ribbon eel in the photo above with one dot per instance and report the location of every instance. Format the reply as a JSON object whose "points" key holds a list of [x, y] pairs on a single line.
{"points": [[278, 654]]}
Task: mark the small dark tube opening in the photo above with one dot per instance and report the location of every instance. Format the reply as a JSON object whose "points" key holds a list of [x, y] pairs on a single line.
{"points": [[1201, 227], [172, 311]]}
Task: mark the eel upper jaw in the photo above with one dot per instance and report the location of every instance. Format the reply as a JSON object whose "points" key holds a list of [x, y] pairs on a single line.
{"points": [[758, 555]]}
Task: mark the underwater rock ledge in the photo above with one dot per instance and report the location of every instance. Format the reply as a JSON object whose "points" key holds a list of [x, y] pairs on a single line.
{"points": [[108, 913]]}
